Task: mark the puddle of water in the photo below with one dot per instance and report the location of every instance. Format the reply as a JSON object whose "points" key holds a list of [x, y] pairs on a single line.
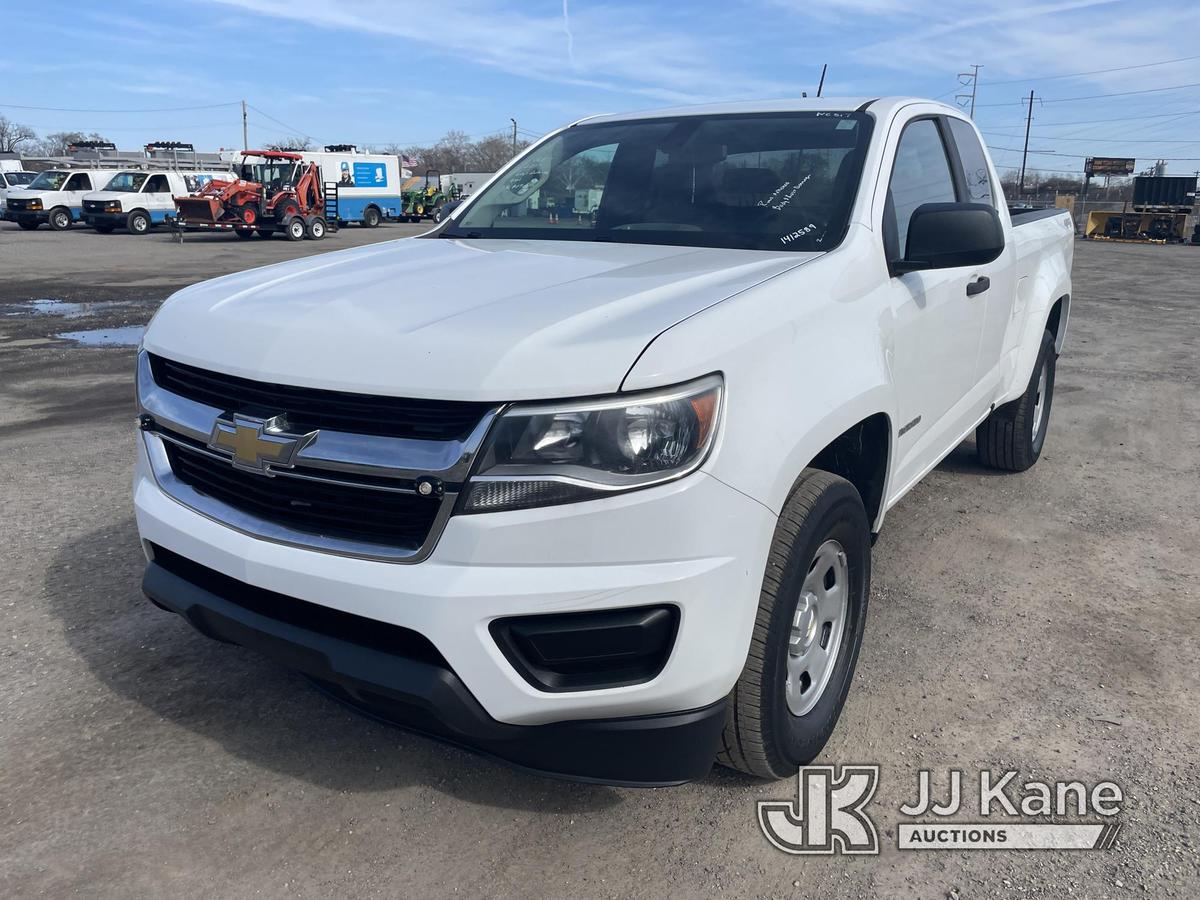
{"points": [[126, 336], [65, 309]]}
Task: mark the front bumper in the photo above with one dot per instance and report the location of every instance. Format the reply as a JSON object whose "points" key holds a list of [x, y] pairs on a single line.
{"points": [[417, 690], [694, 544], [25, 215], [104, 218]]}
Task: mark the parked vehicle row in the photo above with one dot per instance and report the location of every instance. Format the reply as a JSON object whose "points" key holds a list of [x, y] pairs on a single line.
{"points": [[368, 192]]}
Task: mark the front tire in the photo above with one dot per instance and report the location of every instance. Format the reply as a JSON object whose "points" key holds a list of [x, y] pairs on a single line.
{"points": [[138, 222], [60, 218], [294, 229], [811, 615], [1012, 437]]}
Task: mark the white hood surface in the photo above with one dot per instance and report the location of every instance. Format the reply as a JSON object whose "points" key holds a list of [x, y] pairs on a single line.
{"points": [[454, 319]]}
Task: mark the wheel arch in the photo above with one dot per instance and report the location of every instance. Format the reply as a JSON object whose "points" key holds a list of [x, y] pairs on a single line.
{"points": [[861, 454], [1056, 321]]}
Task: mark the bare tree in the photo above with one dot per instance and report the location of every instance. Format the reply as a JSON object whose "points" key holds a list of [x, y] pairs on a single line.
{"points": [[456, 152], [12, 135], [294, 144], [60, 142]]}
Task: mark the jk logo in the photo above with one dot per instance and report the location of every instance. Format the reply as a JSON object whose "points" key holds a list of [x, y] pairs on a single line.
{"points": [[827, 815]]}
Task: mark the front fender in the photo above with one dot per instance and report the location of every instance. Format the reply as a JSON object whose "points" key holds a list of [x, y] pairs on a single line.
{"points": [[803, 356]]}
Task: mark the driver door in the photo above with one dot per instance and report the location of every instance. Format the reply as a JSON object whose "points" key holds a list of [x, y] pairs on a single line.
{"points": [[937, 326]]}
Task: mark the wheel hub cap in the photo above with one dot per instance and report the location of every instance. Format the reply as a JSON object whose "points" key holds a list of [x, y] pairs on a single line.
{"points": [[818, 621], [1039, 402]]}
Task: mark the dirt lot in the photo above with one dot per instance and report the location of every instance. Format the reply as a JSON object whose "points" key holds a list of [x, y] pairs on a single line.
{"points": [[1045, 622]]}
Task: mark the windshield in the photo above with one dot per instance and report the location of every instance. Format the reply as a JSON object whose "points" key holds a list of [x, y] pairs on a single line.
{"points": [[130, 182], [777, 181], [48, 181], [271, 175], [16, 178]]}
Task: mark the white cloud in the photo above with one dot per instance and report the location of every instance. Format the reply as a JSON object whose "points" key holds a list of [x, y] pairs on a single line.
{"points": [[611, 48]]}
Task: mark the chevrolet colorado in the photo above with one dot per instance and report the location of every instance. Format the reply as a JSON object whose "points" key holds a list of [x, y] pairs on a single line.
{"points": [[591, 487]]}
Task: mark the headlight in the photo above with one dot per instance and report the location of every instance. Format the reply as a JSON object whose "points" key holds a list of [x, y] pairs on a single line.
{"points": [[33, 204], [543, 454]]}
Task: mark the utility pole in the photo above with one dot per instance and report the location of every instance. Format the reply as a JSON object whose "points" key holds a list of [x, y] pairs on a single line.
{"points": [[821, 85], [974, 82], [1025, 154], [514, 121], [245, 139]]}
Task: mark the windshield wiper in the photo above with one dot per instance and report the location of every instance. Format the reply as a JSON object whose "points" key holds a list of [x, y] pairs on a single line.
{"points": [[466, 237]]}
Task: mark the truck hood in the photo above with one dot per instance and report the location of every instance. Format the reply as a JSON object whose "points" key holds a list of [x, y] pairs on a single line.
{"points": [[453, 319], [103, 196]]}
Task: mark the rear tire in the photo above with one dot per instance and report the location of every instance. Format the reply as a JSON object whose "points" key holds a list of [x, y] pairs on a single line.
{"points": [[60, 218], [811, 615], [316, 228], [1012, 437], [244, 232], [294, 228], [371, 217], [138, 222]]}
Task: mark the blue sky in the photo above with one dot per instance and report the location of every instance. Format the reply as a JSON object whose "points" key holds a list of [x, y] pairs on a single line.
{"points": [[382, 71]]}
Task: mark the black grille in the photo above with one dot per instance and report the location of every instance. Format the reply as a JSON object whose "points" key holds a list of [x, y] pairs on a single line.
{"points": [[310, 408], [97, 205], [349, 512]]}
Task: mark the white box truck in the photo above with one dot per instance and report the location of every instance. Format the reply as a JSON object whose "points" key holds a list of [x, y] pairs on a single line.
{"points": [[368, 183]]}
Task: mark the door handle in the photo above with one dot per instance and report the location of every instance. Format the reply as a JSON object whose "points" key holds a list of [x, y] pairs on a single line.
{"points": [[979, 285]]}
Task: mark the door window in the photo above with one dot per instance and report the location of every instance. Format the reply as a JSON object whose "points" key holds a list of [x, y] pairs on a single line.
{"points": [[974, 163], [921, 174], [157, 185], [78, 182]]}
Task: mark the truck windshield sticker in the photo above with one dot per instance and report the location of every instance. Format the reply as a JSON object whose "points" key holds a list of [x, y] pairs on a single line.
{"points": [[798, 233], [778, 202]]}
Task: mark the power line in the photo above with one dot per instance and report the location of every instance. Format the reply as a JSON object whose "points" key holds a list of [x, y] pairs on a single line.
{"points": [[1163, 62], [1086, 155], [1108, 140], [114, 111], [285, 125], [1174, 87]]}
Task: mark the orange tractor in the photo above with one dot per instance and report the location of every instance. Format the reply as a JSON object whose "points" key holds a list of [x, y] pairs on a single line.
{"points": [[275, 191]]}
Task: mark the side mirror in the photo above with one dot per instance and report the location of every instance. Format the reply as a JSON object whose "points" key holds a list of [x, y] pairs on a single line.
{"points": [[947, 235]]}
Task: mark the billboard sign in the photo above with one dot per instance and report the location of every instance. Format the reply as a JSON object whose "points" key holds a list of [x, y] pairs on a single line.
{"points": [[1097, 166]]}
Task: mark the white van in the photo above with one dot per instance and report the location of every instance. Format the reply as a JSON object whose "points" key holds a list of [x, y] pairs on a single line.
{"points": [[17, 180], [139, 200], [55, 196]]}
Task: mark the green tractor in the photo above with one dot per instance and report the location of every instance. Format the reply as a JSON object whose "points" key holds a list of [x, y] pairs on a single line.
{"points": [[423, 202]]}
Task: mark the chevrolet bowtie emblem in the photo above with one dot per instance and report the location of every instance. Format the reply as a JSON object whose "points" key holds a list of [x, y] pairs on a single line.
{"points": [[257, 444]]}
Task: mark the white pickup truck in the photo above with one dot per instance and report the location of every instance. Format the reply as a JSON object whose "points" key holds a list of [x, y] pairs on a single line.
{"points": [[595, 493]]}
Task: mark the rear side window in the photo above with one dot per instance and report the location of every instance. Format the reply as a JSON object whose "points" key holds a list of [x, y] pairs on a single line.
{"points": [[921, 174], [974, 163]]}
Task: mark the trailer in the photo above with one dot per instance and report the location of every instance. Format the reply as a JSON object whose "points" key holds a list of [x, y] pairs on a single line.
{"points": [[270, 192]]}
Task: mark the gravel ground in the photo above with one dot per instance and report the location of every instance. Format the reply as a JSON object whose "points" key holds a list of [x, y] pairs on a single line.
{"points": [[1044, 622]]}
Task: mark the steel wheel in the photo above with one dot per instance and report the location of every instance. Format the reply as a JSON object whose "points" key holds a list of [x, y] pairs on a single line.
{"points": [[1039, 404], [817, 623]]}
